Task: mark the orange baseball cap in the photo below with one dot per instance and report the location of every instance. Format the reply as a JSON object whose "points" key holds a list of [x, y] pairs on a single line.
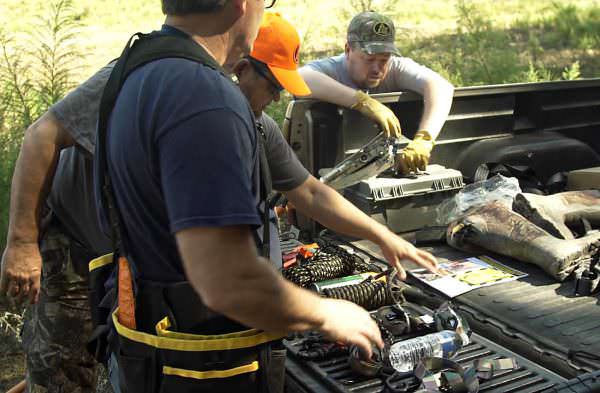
{"points": [[278, 46]]}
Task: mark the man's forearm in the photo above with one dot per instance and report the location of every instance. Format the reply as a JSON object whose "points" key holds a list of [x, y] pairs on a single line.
{"points": [[223, 267], [437, 103], [323, 204], [267, 301], [327, 89], [32, 179]]}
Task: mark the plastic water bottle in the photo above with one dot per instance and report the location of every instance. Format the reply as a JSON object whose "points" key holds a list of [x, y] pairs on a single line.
{"points": [[405, 355]]}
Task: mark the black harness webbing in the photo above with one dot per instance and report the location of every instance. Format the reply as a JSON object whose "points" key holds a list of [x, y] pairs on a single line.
{"points": [[142, 49]]}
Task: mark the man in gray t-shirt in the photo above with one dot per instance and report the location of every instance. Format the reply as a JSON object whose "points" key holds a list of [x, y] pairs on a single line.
{"points": [[370, 64], [71, 197]]}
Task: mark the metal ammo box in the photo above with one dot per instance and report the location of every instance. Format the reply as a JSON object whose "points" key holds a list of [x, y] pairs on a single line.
{"points": [[409, 203]]}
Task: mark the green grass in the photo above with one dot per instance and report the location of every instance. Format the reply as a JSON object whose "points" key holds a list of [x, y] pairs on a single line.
{"points": [[108, 23], [485, 42]]}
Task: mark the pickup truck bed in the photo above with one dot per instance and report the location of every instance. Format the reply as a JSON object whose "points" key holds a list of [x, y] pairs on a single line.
{"points": [[334, 375], [535, 316], [536, 320], [540, 318], [549, 127]]}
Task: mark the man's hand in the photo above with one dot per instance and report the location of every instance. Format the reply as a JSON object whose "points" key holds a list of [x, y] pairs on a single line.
{"points": [[395, 249], [377, 112], [21, 270], [415, 155], [350, 324]]}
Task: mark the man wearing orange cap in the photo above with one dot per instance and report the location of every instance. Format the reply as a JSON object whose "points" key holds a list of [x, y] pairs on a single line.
{"points": [[271, 67]]}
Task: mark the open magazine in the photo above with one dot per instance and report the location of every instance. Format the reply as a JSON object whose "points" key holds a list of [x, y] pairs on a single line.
{"points": [[467, 274]]}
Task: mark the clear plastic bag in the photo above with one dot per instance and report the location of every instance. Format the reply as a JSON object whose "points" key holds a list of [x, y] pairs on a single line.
{"points": [[498, 188]]}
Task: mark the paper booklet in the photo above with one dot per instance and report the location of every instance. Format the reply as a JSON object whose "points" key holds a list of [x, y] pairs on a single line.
{"points": [[467, 274]]}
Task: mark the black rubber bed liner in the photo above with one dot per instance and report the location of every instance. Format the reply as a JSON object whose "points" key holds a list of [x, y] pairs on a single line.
{"points": [[334, 375], [535, 316]]}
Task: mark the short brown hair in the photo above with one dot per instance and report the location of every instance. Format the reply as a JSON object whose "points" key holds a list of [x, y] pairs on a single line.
{"points": [[183, 7]]}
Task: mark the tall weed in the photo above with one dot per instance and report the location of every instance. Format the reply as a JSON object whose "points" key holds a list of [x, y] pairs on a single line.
{"points": [[571, 27], [482, 53], [11, 324], [34, 74]]}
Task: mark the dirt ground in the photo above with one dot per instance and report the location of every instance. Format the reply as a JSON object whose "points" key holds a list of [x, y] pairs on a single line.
{"points": [[12, 360], [12, 370]]}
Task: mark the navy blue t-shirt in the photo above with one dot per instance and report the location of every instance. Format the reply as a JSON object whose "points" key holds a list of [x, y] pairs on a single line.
{"points": [[182, 153]]}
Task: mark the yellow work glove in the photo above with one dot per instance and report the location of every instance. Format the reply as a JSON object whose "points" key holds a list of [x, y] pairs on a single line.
{"points": [[377, 112], [415, 155]]}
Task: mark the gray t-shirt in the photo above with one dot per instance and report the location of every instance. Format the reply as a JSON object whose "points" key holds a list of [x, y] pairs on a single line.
{"points": [[287, 172], [403, 74], [72, 195]]}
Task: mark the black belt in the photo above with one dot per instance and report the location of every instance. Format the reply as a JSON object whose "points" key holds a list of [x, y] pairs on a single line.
{"points": [[182, 304]]}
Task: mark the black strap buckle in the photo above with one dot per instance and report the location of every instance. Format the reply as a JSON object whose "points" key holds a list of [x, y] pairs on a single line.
{"points": [[453, 377]]}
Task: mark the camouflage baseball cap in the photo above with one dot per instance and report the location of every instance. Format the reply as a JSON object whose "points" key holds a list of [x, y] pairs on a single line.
{"points": [[373, 33]]}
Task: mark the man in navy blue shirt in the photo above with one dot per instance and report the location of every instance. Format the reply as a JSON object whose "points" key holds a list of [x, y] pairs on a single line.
{"points": [[183, 158], [73, 120]]}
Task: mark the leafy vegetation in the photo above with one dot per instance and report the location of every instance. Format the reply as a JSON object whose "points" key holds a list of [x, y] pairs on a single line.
{"points": [[35, 72]]}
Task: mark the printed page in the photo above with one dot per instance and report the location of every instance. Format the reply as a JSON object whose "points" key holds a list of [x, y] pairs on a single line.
{"points": [[464, 275]]}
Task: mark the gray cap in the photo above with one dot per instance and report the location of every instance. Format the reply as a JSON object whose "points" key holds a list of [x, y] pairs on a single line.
{"points": [[373, 33]]}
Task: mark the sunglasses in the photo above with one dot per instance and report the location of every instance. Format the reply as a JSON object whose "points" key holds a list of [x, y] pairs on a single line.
{"points": [[269, 3], [262, 70]]}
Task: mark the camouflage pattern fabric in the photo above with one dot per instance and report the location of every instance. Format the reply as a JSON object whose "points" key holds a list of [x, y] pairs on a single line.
{"points": [[373, 33], [56, 329]]}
